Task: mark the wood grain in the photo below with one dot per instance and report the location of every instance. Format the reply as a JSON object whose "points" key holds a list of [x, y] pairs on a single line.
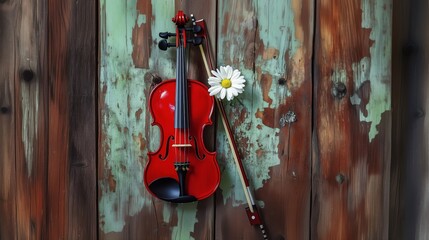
{"points": [[72, 198], [271, 44], [8, 227], [82, 84], [409, 190], [397, 224], [351, 155], [31, 119], [129, 64], [129, 60]]}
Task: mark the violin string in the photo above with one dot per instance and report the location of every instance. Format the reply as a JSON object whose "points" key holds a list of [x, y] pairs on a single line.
{"points": [[176, 132], [186, 104], [181, 100]]}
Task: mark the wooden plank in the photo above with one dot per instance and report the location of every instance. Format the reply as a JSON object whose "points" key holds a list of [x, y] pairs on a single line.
{"points": [[397, 223], [351, 160], [271, 44], [82, 76], [71, 196], [59, 110], [130, 59], [409, 190], [201, 225], [31, 114], [8, 226]]}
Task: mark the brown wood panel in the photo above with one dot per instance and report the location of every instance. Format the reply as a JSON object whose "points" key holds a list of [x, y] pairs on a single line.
{"points": [[409, 190], [401, 13], [72, 194], [8, 225], [31, 119], [82, 76], [351, 159]]}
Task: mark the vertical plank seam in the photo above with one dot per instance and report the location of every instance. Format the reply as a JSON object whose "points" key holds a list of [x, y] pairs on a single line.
{"points": [[14, 83], [313, 111], [97, 111]]}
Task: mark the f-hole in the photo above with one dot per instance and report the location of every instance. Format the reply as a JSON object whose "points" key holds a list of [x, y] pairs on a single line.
{"points": [[167, 149], [197, 152]]}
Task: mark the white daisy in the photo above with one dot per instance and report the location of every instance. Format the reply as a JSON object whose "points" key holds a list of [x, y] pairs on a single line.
{"points": [[226, 82]]}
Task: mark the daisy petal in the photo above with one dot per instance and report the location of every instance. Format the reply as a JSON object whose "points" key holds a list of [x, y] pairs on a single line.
{"points": [[233, 91], [214, 79], [223, 72], [216, 73], [214, 83], [235, 74], [237, 85], [215, 89], [222, 93], [229, 95], [229, 72]]}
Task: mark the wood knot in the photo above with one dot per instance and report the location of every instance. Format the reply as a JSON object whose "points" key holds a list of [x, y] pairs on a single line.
{"points": [[27, 74], [282, 81], [156, 79], [4, 109], [339, 90], [340, 178]]}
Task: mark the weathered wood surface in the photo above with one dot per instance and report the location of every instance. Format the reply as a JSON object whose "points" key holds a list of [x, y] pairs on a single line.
{"points": [[48, 189], [130, 60], [22, 67], [410, 172], [8, 15], [325, 176], [72, 189], [351, 160], [271, 43], [126, 136]]}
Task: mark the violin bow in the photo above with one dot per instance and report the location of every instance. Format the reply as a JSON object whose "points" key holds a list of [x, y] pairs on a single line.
{"points": [[252, 210]]}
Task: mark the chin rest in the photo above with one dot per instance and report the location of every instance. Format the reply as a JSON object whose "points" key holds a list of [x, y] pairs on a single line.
{"points": [[168, 189]]}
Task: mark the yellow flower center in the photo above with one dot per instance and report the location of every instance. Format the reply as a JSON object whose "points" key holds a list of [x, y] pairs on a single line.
{"points": [[226, 83]]}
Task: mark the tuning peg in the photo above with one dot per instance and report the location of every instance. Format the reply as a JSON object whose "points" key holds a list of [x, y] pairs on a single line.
{"points": [[194, 29], [165, 35], [197, 28], [196, 41], [163, 45]]}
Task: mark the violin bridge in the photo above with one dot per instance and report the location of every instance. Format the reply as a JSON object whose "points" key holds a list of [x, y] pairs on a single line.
{"points": [[186, 145]]}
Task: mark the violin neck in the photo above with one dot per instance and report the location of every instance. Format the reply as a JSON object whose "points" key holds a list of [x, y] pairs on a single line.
{"points": [[181, 114]]}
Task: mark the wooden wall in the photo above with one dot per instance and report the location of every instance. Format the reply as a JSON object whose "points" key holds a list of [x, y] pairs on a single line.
{"points": [[48, 123], [75, 130], [410, 169]]}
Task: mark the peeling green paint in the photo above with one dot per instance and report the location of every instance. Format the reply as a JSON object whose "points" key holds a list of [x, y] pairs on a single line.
{"points": [[166, 214], [141, 19], [376, 15], [276, 30], [187, 219], [124, 94], [125, 133]]}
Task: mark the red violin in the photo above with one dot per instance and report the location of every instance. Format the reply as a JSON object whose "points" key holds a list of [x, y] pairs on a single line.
{"points": [[182, 169]]}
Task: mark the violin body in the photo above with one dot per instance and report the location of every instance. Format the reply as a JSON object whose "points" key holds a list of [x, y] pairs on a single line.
{"points": [[182, 169], [203, 175]]}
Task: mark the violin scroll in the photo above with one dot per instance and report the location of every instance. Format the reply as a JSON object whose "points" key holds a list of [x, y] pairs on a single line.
{"points": [[181, 20]]}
